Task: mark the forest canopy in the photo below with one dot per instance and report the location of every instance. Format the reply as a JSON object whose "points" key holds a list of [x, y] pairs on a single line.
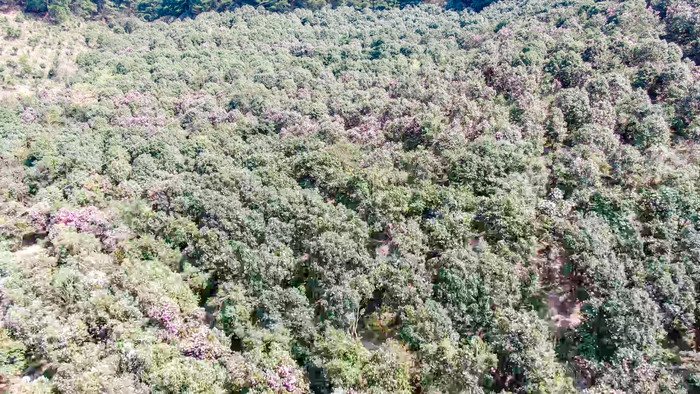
{"points": [[350, 200], [61, 10]]}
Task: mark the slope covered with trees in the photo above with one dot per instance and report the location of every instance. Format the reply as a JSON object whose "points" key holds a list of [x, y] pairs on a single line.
{"points": [[353, 201]]}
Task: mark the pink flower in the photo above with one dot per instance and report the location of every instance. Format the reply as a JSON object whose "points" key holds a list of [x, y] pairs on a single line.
{"points": [[85, 220], [39, 219], [167, 316], [284, 377]]}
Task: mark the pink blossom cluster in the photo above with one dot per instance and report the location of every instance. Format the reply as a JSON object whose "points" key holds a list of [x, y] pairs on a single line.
{"points": [[476, 40], [125, 51], [146, 122], [88, 220], [369, 130], [49, 97], [168, 317], [538, 29], [218, 116], [305, 127], [199, 350], [302, 50], [194, 101], [347, 77], [304, 93], [96, 183], [39, 219], [292, 123], [283, 118], [85, 220], [283, 378], [141, 112], [199, 346], [29, 115], [191, 337], [505, 33], [131, 98]]}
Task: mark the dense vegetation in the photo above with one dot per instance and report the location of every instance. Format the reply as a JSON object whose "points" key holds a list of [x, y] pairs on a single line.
{"points": [[353, 201], [61, 10]]}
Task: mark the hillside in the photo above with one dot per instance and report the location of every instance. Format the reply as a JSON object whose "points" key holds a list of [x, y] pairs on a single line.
{"points": [[345, 200]]}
